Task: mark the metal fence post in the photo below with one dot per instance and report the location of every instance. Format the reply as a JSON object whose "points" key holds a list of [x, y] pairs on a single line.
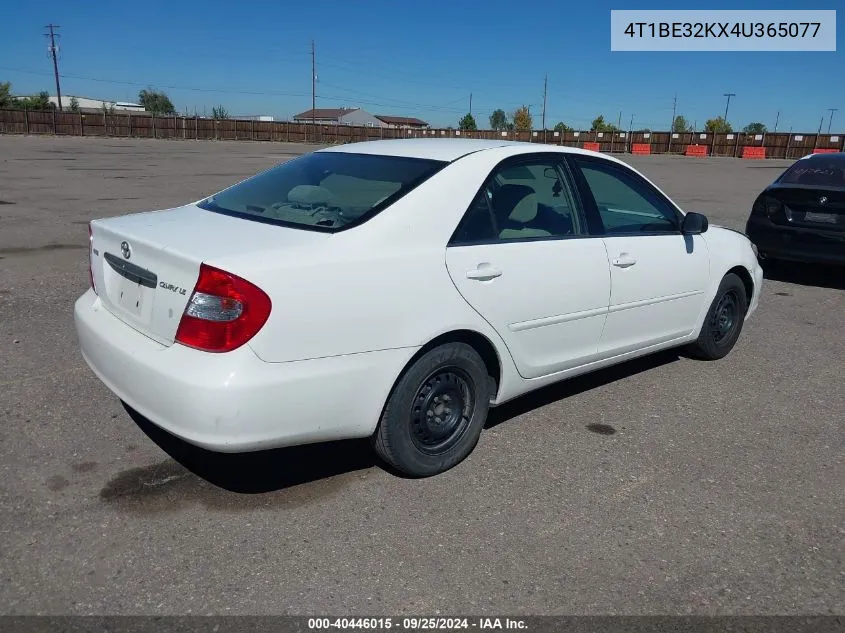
{"points": [[155, 133], [26, 120], [54, 121]]}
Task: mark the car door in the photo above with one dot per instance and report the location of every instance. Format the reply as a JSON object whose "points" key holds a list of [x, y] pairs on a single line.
{"points": [[658, 276], [523, 258]]}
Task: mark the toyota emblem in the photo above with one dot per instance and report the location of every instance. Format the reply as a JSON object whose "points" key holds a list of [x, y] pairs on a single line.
{"points": [[124, 248], [823, 200]]}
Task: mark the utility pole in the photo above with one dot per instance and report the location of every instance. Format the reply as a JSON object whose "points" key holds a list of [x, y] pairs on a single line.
{"points": [[831, 110], [728, 95], [470, 104], [821, 123], [777, 118], [52, 48], [619, 120], [313, 85], [545, 89], [674, 109], [672, 127]]}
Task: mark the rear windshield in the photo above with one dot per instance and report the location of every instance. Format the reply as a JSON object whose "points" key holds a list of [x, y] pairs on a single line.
{"points": [[816, 171], [323, 191]]}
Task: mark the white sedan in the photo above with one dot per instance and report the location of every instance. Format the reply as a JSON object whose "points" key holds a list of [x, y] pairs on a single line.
{"points": [[397, 290]]}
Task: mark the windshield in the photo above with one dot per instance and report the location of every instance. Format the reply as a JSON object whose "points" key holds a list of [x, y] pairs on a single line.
{"points": [[816, 171], [323, 191]]}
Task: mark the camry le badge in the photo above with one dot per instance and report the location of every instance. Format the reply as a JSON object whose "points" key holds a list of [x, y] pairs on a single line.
{"points": [[124, 248], [823, 200]]}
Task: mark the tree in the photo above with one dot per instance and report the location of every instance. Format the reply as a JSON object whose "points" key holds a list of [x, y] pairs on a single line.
{"points": [[6, 98], [468, 123], [39, 102], [74, 104], [219, 112], [156, 102], [600, 125], [718, 125], [680, 124], [522, 121], [560, 126], [499, 120], [754, 128]]}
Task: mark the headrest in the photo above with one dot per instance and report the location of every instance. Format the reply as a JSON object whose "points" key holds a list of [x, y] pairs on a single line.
{"points": [[309, 194], [515, 202]]}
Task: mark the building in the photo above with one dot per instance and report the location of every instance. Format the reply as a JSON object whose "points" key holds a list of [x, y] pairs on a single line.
{"points": [[402, 122], [356, 116], [87, 104]]}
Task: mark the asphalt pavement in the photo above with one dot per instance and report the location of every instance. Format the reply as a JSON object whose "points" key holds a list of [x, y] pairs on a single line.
{"points": [[663, 486]]}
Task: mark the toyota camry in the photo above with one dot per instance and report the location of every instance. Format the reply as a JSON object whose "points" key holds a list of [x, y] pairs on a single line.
{"points": [[397, 290]]}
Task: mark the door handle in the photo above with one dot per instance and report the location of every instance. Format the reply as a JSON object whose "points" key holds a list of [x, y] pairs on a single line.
{"points": [[484, 273], [624, 261]]}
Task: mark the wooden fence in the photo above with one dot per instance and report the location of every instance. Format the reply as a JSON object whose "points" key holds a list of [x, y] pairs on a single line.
{"points": [[777, 145]]}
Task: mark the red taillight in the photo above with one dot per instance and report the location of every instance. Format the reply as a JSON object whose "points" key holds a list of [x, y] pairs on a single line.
{"points": [[91, 258], [224, 312]]}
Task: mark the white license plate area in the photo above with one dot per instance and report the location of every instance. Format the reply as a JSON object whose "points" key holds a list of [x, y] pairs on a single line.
{"points": [[822, 218]]}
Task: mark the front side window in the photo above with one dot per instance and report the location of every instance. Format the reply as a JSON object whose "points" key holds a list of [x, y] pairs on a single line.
{"points": [[323, 191], [626, 205], [530, 199]]}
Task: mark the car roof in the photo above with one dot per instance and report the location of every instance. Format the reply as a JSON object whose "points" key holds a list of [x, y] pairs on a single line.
{"points": [[446, 149]]}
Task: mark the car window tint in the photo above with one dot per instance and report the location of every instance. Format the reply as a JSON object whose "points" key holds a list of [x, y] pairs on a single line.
{"points": [[527, 200], [624, 204], [323, 190]]}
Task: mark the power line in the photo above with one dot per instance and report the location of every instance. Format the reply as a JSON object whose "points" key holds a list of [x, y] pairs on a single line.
{"points": [[270, 93], [52, 49]]}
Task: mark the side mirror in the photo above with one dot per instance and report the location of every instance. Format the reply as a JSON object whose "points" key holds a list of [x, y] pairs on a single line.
{"points": [[694, 224]]}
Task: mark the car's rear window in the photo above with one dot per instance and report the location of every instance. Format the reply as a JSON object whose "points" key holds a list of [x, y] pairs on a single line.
{"points": [[821, 171], [323, 191]]}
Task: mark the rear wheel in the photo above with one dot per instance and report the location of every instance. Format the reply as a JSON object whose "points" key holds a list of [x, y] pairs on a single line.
{"points": [[724, 320], [434, 416]]}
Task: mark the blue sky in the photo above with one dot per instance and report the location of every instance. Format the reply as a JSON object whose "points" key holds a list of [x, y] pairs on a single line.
{"points": [[412, 59]]}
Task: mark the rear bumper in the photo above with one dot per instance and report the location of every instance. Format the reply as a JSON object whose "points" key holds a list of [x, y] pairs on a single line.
{"points": [[796, 244], [236, 402]]}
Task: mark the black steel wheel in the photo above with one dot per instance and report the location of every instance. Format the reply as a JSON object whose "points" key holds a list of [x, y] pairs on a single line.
{"points": [[436, 411], [724, 320], [442, 410]]}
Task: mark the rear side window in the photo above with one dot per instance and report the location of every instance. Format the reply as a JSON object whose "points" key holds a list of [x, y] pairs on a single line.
{"points": [[323, 191], [820, 172]]}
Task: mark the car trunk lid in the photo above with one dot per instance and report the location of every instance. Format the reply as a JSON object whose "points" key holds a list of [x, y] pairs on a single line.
{"points": [[808, 207], [145, 265]]}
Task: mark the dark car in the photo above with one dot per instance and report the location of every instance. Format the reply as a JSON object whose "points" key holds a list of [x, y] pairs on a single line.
{"points": [[801, 215]]}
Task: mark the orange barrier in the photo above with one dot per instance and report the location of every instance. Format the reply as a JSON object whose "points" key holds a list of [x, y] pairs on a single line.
{"points": [[825, 151], [593, 147], [753, 152], [696, 150], [641, 148]]}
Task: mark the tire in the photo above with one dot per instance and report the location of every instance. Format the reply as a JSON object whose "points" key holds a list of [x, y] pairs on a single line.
{"points": [[435, 413], [723, 323]]}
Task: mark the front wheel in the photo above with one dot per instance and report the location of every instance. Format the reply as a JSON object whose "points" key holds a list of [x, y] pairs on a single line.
{"points": [[434, 416], [724, 320]]}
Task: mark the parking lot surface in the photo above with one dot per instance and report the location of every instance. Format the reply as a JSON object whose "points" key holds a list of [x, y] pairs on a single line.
{"points": [[663, 486]]}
